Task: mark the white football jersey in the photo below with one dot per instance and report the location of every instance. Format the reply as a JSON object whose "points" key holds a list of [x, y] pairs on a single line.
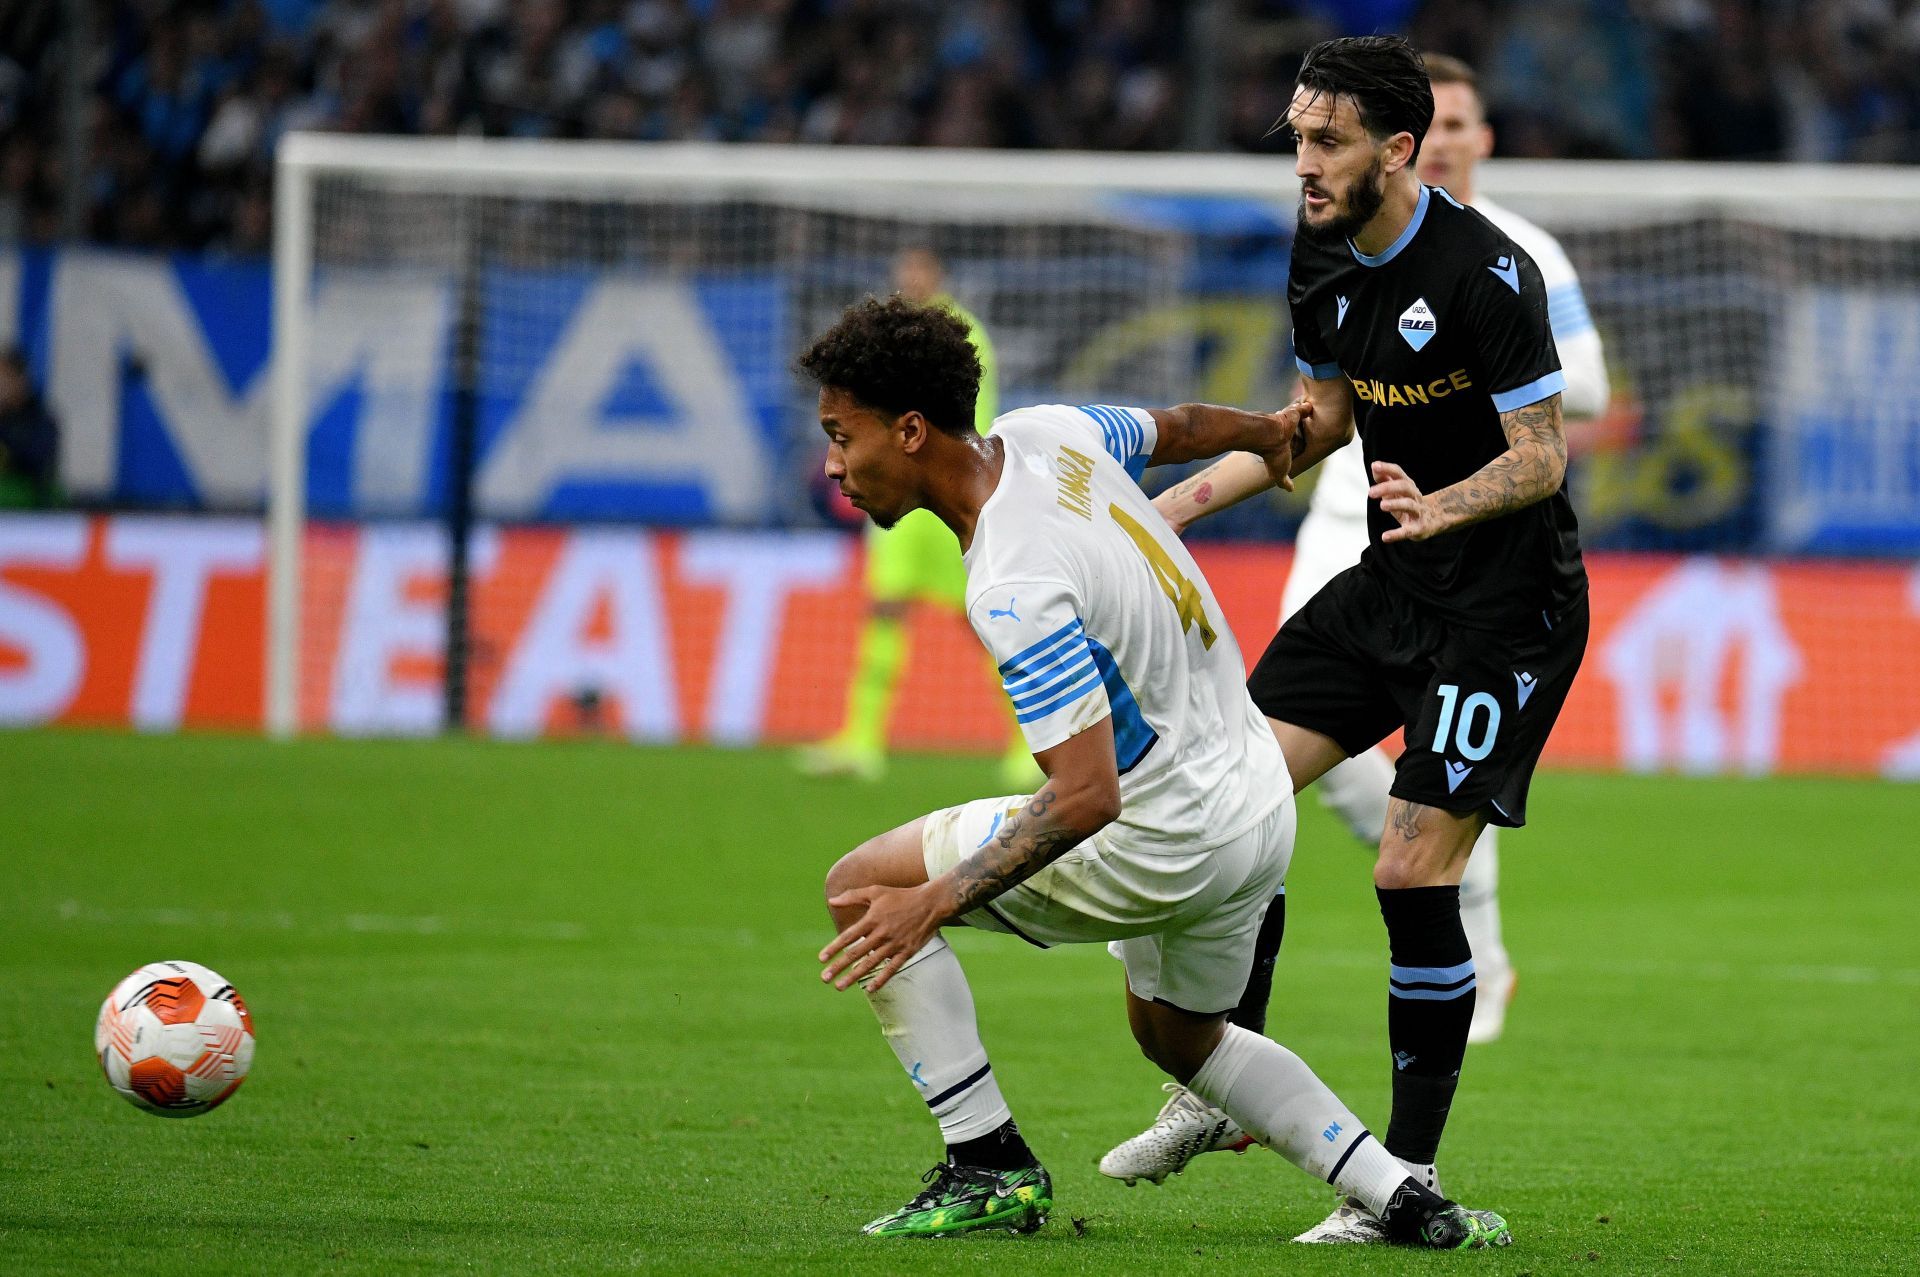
{"points": [[1341, 490], [1092, 607]]}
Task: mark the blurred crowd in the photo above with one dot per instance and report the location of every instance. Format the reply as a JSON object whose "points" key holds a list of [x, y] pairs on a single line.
{"points": [[184, 99]]}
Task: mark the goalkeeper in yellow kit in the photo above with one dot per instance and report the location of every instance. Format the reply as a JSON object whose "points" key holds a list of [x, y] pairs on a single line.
{"points": [[918, 560]]}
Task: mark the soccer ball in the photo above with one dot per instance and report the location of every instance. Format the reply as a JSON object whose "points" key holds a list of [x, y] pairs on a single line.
{"points": [[174, 1039]]}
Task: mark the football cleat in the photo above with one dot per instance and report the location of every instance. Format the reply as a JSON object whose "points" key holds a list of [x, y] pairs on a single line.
{"points": [[1457, 1228], [1351, 1224], [965, 1199], [1490, 1003], [1186, 1127], [837, 759]]}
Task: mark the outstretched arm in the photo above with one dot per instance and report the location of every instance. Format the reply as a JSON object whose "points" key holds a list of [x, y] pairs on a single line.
{"points": [[1325, 424], [1196, 431], [1081, 797], [1530, 470]]}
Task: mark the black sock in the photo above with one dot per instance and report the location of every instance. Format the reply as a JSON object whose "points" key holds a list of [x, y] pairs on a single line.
{"points": [[1411, 1206], [1251, 1014], [1429, 1009], [1000, 1149]]}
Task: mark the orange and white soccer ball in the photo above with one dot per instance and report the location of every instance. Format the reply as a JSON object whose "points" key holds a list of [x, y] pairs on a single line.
{"points": [[174, 1039]]}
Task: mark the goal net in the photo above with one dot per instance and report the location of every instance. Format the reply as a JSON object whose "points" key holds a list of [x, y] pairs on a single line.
{"points": [[569, 363]]}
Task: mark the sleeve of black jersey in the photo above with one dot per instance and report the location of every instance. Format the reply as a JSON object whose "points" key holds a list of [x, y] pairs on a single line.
{"points": [[1311, 353], [1507, 309]]}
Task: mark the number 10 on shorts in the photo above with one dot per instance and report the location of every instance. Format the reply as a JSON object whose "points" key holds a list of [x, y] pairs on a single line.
{"points": [[1471, 725]]}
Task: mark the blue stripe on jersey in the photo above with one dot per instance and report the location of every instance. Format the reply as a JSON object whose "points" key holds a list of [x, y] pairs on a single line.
{"points": [[1122, 434], [1132, 737], [1044, 687], [1533, 392], [1010, 668], [1567, 312], [1317, 372], [1058, 697], [1031, 678]]}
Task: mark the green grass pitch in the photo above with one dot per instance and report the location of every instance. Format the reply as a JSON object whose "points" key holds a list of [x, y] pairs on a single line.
{"points": [[553, 1007]]}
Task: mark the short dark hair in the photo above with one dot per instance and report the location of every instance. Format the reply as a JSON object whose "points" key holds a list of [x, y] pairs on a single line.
{"points": [[1385, 77], [898, 357], [1444, 68]]}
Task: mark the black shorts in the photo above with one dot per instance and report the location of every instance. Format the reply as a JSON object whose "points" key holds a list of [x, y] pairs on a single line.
{"points": [[1360, 660]]}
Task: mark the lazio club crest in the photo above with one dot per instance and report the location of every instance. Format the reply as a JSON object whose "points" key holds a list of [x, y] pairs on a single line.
{"points": [[1417, 324]]}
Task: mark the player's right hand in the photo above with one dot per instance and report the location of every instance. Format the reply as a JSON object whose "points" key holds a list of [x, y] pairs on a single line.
{"points": [[1279, 460]]}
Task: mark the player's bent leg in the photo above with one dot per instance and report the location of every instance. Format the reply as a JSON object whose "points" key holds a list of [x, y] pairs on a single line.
{"points": [[990, 1178], [1356, 791], [1480, 915], [1272, 1094], [1309, 754]]}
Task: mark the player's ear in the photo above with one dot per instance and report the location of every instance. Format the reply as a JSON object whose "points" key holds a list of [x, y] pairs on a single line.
{"points": [[912, 429], [1399, 152]]}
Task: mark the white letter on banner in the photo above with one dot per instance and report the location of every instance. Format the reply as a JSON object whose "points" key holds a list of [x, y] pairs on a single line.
{"points": [[109, 304], [181, 554], [556, 659], [758, 571], [1682, 634], [42, 688], [385, 333], [383, 623], [561, 432], [387, 330]]}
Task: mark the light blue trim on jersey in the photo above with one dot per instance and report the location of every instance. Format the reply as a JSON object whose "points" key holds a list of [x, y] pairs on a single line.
{"points": [[1533, 392], [1043, 685], [1447, 195], [1126, 441], [1318, 372], [1567, 312], [1011, 666], [1392, 250], [1132, 737]]}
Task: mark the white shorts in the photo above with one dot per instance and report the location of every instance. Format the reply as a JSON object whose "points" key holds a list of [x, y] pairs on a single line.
{"points": [[1326, 546], [1183, 922]]}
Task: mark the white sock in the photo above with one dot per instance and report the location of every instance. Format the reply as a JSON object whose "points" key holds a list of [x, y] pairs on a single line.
{"points": [[1279, 1101], [1356, 791], [1480, 905], [926, 1015]]}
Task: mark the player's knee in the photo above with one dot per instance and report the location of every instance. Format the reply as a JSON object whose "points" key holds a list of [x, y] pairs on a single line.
{"points": [[1403, 865], [847, 873]]}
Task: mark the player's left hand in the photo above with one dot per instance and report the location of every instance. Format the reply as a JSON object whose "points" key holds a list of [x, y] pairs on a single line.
{"points": [[1400, 497], [897, 924]]}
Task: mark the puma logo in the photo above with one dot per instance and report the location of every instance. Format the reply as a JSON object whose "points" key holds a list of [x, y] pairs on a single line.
{"points": [[995, 613]]}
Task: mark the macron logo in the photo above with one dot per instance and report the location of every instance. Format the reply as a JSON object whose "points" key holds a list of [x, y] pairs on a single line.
{"points": [[1507, 271], [1456, 772], [1523, 684], [995, 613], [1340, 318]]}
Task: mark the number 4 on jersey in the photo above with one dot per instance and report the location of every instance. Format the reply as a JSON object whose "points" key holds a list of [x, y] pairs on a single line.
{"points": [[1184, 593]]}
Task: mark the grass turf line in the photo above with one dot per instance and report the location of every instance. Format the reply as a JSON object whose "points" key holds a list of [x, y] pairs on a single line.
{"points": [[552, 1007]]}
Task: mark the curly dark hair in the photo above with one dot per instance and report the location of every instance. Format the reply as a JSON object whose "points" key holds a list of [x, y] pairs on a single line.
{"points": [[1383, 74], [897, 357]]}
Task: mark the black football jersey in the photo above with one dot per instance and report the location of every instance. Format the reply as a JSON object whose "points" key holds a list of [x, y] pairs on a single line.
{"points": [[1440, 333]]}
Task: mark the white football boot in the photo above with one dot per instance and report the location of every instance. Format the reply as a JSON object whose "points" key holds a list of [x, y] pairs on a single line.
{"points": [[1187, 1127], [1490, 1002], [1352, 1224]]}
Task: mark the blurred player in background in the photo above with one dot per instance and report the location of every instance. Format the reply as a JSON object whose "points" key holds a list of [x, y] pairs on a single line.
{"points": [[916, 561], [1464, 619], [1165, 822]]}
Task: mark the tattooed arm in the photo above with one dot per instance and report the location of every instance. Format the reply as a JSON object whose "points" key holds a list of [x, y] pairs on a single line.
{"points": [[1530, 470], [1081, 797]]}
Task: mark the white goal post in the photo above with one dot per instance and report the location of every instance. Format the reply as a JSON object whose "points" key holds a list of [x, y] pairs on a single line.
{"points": [[354, 205]]}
